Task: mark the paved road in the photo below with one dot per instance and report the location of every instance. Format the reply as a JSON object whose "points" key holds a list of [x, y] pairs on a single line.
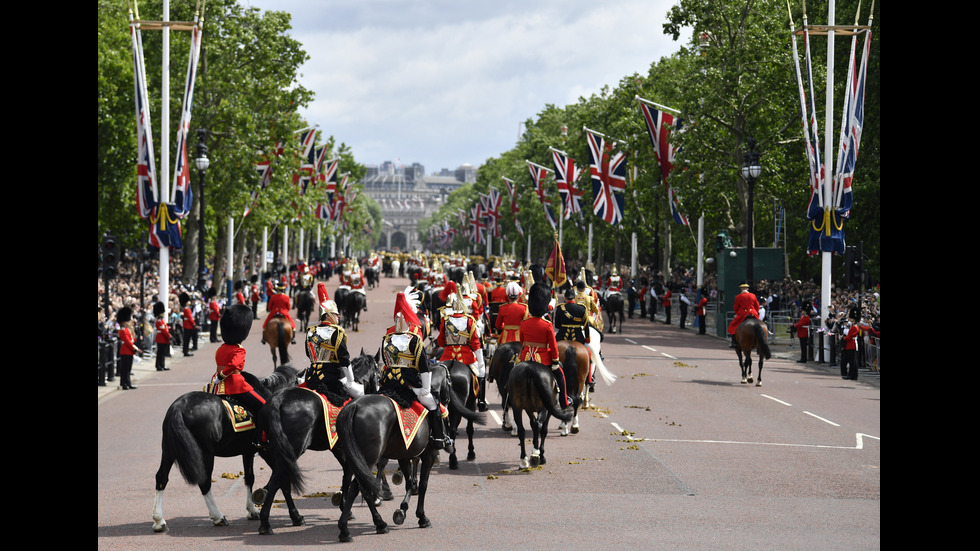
{"points": [[677, 454]]}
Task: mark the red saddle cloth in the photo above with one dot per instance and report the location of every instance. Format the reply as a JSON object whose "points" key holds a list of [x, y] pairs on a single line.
{"points": [[330, 412], [409, 420]]}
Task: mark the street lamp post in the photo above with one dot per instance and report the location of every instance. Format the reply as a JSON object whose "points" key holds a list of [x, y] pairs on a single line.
{"points": [[202, 163], [750, 171]]}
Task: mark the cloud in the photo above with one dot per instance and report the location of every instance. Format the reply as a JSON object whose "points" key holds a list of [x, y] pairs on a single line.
{"points": [[444, 83]]}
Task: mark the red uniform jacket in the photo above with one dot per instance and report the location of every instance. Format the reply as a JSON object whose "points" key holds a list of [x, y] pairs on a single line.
{"points": [[463, 353], [509, 320], [745, 304], [127, 347], [701, 305], [163, 332], [231, 362], [803, 327], [668, 294], [850, 340], [279, 304], [538, 338], [240, 297], [189, 319], [214, 312], [255, 293]]}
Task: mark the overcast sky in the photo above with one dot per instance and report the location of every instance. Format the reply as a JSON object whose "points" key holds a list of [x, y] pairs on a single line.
{"points": [[448, 82]]}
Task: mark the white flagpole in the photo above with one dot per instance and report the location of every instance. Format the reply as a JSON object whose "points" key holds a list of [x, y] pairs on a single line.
{"points": [[230, 252], [648, 102], [826, 257], [164, 288]]}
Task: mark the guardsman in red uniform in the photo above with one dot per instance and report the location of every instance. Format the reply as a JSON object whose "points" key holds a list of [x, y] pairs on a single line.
{"points": [[538, 337], [188, 324], [269, 291], [239, 293], [254, 297], [230, 360], [460, 339], [214, 313], [702, 312], [511, 315], [127, 348], [162, 338], [666, 304], [803, 332], [279, 305], [848, 360], [746, 304]]}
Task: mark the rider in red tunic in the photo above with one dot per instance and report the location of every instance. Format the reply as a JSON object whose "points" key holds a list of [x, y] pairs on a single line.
{"points": [[511, 315], [460, 337], [279, 305], [230, 361], [538, 337], [746, 304]]}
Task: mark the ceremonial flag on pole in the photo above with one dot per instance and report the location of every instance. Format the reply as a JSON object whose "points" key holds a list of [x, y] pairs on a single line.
{"points": [[146, 180], [608, 178], [538, 175], [181, 194], [566, 177], [659, 123], [851, 128], [514, 209], [555, 268]]}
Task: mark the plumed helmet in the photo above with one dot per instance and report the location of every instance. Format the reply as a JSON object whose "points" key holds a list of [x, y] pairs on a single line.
{"points": [[125, 314], [583, 278], [159, 309], [614, 272], [321, 295], [235, 323], [514, 290], [405, 317], [538, 299]]}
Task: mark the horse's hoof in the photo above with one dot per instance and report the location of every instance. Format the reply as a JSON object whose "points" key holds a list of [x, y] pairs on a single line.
{"points": [[471, 456], [258, 496], [265, 530], [381, 529], [398, 517], [453, 463], [222, 522], [298, 520], [161, 528], [507, 428], [253, 516], [525, 463], [743, 380], [750, 379], [424, 523], [759, 383], [396, 478], [535, 461], [345, 538], [575, 430], [337, 499], [386, 495]]}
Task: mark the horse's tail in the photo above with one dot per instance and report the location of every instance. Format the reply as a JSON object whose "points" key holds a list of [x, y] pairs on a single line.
{"points": [[762, 337], [607, 376], [570, 367], [457, 404], [286, 462], [283, 343], [363, 472], [179, 442], [545, 392]]}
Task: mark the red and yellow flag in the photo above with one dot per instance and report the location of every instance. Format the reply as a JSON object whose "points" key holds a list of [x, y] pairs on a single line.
{"points": [[555, 268]]}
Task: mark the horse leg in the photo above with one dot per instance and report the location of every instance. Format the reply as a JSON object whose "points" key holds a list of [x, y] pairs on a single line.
{"points": [[386, 494], [428, 458], [543, 428], [214, 512], [471, 454], [741, 363], [398, 517], [519, 421], [759, 382], [248, 467], [748, 365], [535, 435], [575, 427], [454, 420], [163, 476]]}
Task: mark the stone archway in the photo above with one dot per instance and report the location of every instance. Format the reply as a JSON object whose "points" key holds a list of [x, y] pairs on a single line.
{"points": [[399, 241]]}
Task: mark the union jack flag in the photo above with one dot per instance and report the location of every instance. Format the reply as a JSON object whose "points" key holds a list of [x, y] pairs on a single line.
{"points": [[853, 125], [477, 227], [146, 185], [493, 210], [566, 176], [608, 178], [538, 175], [514, 209], [182, 196], [659, 124]]}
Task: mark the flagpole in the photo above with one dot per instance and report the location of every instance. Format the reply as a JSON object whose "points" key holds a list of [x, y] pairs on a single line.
{"points": [[826, 256], [164, 288], [648, 102]]}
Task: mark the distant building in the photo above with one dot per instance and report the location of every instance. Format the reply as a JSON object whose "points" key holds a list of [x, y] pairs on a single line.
{"points": [[406, 196]]}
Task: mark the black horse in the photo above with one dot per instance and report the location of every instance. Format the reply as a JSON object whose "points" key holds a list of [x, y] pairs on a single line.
{"points": [[353, 305], [614, 310], [197, 428], [751, 334], [340, 297], [295, 422], [461, 379], [304, 308], [531, 389], [370, 435], [501, 364], [373, 276]]}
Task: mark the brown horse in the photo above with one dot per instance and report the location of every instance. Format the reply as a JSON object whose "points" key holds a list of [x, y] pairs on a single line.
{"points": [[752, 334], [575, 363], [278, 333]]}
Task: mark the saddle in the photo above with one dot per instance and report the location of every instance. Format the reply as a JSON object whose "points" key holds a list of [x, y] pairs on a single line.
{"points": [[409, 420], [330, 413], [241, 419]]}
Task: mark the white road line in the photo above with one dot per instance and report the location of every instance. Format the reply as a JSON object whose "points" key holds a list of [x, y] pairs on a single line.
{"points": [[631, 341], [496, 417], [668, 355], [776, 400], [859, 443], [822, 419], [650, 349]]}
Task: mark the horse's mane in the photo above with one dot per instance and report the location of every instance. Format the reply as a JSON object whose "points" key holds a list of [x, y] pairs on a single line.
{"points": [[284, 376]]}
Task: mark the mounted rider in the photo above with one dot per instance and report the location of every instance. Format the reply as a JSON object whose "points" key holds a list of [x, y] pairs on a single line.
{"points": [[614, 283], [746, 305], [586, 296], [279, 306], [236, 322], [538, 338], [357, 282], [572, 324], [407, 366], [330, 372], [511, 315], [460, 338]]}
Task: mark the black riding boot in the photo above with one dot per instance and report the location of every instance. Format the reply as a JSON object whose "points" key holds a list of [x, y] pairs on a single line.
{"points": [[481, 399], [562, 390], [439, 432]]}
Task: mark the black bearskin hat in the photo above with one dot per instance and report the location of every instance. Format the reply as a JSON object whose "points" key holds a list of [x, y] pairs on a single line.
{"points": [[569, 294], [538, 300], [159, 309], [212, 292], [126, 314], [254, 278], [238, 285], [183, 298], [236, 321]]}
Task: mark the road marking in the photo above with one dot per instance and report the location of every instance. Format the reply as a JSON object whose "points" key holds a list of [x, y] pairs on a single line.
{"points": [[650, 349], [859, 443], [631, 341], [668, 355], [621, 431], [776, 400], [822, 419], [496, 417]]}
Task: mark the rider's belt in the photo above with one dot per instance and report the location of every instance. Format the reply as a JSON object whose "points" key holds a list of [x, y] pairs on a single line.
{"points": [[536, 344], [571, 326], [512, 327]]}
